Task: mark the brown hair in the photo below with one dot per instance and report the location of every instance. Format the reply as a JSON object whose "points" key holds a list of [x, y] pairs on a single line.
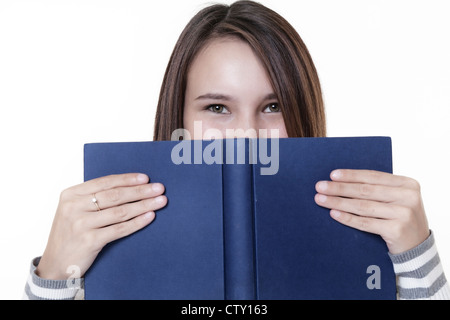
{"points": [[280, 48]]}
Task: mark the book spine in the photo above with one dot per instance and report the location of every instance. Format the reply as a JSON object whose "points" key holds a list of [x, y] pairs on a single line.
{"points": [[238, 222]]}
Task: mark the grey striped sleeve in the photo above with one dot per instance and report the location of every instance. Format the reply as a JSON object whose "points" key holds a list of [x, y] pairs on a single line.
{"points": [[419, 273], [37, 288]]}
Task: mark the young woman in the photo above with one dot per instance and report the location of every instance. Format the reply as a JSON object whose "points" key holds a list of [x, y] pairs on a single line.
{"points": [[240, 67]]}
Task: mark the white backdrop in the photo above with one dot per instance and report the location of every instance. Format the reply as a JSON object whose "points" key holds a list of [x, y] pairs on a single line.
{"points": [[73, 72]]}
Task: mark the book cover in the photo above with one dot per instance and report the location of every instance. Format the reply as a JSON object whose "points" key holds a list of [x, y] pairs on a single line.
{"points": [[241, 222]]}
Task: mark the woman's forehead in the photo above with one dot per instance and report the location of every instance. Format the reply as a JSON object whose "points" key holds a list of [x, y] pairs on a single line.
{"points": [[225, 66]]}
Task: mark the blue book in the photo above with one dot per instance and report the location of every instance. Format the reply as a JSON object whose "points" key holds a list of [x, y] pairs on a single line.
{"points": [[241, 222]]}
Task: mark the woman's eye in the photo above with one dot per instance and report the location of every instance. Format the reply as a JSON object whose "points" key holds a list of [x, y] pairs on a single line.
{"points": [[273, 107], [218, 108]]}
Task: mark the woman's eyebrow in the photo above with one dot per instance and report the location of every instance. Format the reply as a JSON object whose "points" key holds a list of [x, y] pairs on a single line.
{"points": [[215, 96], [224, 97], [271, 96]]}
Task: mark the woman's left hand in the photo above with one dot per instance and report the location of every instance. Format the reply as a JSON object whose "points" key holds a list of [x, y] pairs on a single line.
{"points": [[377, 202]]}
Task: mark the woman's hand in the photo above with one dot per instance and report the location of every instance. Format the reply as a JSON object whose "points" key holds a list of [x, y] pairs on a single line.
{"points": [[377, 202], [127, 203]]}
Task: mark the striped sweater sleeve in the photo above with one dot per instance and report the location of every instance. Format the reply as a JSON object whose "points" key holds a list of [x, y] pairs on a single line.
{"points": [[37, 288], [419, 273]]}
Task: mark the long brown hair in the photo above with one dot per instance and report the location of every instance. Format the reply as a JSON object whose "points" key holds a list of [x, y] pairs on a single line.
{"points": [[280, 48]]}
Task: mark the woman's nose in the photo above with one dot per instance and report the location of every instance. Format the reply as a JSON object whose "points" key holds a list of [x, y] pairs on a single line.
{"points": [[246, 127]]}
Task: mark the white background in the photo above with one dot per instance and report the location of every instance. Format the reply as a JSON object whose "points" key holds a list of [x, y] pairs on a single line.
{"points": [[73, 72]]}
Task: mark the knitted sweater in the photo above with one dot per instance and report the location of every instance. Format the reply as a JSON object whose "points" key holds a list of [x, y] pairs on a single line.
{"points": [[419, 276]]}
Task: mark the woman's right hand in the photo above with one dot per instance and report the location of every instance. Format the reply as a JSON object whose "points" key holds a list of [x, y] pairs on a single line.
{"points": [[79, 231]]}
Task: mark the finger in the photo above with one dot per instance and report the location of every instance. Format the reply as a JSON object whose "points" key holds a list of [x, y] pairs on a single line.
{"points": [[123, 229], [121, 195], [373, 177], [360, 191], [366, 224], [110, 182], [360, 207], [126, 212]]}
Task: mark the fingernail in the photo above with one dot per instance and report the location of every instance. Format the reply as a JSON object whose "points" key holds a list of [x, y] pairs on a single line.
{"points": [[142, 178], [321, 198], [149, 215], [160, 199], [336, 174], [322, 185], [335, 213], [157, 187]]}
